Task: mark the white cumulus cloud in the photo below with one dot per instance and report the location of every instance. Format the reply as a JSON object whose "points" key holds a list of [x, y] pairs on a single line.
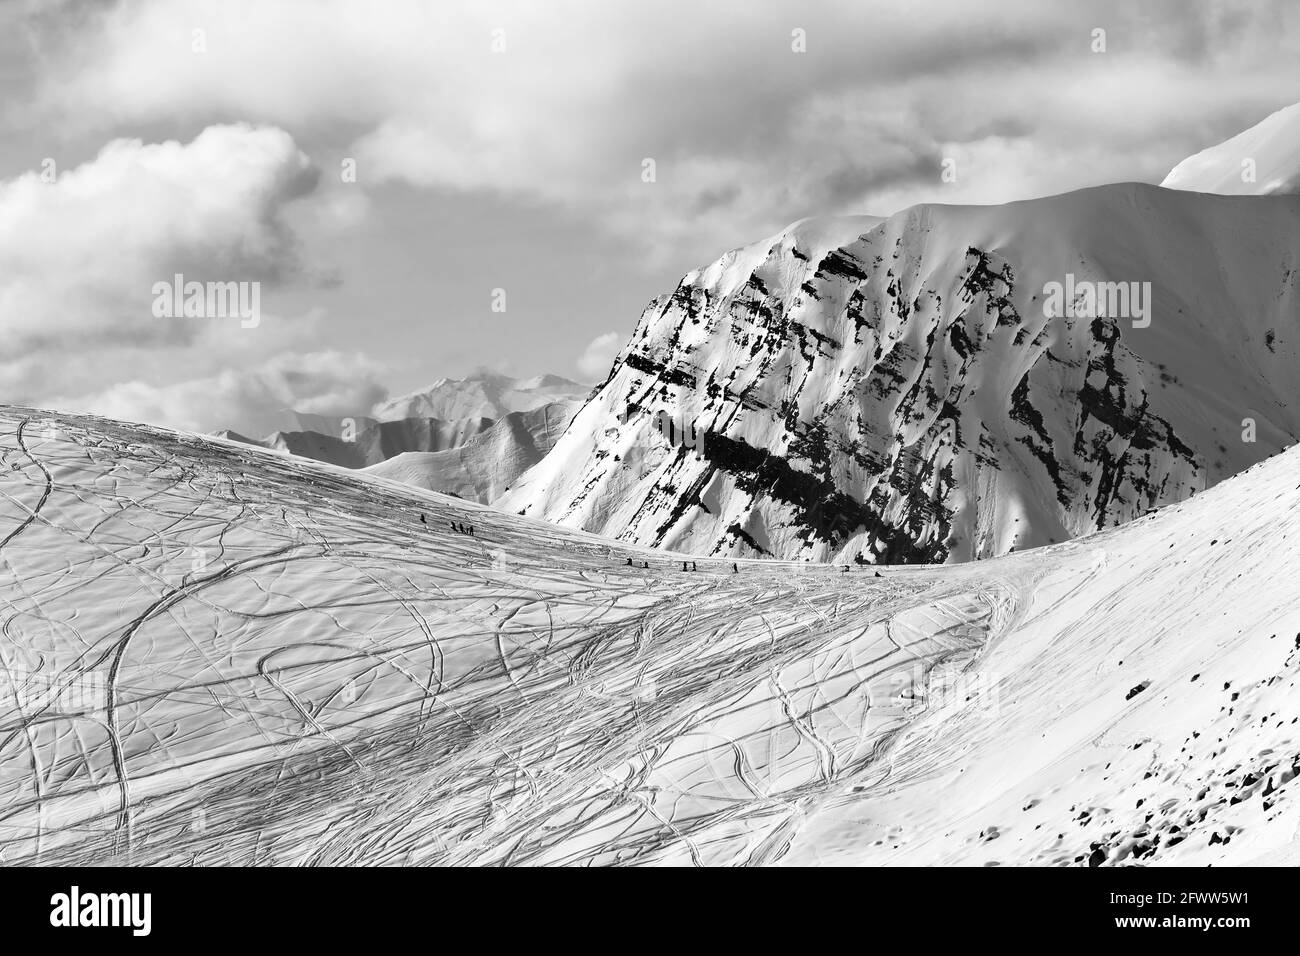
{"points": [[598, 356], [81, 248], [257, 399]]}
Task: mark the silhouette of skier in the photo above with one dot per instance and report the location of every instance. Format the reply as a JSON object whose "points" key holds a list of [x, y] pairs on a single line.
{"points": [[422, 521], [471, 531], [629, 562], [683, 565], [735, 568], [645, 564], [693, 567]]}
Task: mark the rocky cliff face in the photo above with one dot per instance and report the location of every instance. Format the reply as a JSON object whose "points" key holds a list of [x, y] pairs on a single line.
{"points": [[918, 389]]}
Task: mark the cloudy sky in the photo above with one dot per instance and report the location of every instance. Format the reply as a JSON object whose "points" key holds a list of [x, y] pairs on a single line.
{"points": [[502, 146]]}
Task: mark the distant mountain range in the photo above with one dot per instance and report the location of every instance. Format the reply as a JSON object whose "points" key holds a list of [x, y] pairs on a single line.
{"points": [[470, 437], [481, 395]]}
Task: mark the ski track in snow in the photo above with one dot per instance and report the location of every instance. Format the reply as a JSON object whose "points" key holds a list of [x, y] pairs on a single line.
{"points": [[251, 659]]}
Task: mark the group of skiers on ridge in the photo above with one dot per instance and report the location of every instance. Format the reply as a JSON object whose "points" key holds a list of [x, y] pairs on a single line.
{"points": [[469, 530], [735, 568], [458, 528]]}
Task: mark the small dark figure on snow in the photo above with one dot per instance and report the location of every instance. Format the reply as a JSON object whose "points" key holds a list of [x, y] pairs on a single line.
{"points": [[683, 565], [422, 521], [693, 567], [645, 564], [629, 562], [877, 574], [453, 525], [471, 531], [735, 568]]}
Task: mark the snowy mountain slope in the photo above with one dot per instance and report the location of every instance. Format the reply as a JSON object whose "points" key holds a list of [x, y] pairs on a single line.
{"points": [[484, 394], [483, 468], [1264, 159], [896, 390], [212, 654]]}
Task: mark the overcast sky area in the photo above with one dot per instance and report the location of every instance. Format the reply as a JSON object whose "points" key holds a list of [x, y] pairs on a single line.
{"points": [[501, 146]]}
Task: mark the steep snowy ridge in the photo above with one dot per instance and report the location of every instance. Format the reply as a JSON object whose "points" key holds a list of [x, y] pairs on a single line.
{"points": [[894, 390], [217, 655], [1263, 160]]}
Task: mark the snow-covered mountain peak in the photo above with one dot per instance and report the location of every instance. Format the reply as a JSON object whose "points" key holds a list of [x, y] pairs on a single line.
{"points": [[913, 394]]}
